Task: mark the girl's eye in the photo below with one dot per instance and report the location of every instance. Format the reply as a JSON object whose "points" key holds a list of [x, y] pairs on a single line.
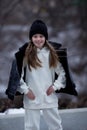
{"points": [[41, 36], [35, 36]]}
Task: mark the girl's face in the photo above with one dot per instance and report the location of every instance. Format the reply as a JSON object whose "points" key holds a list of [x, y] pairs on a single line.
{"points": [[38, 40]]}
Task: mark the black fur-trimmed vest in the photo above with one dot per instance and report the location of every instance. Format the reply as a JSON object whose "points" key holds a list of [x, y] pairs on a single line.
{"points": [[15, 74]]}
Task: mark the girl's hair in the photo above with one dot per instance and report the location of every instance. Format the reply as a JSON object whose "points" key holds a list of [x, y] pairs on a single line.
{"points": [[34, 61]]}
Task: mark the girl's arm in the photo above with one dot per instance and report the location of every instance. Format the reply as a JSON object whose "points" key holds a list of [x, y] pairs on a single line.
{"points": [[60, 82], [23, 88]]}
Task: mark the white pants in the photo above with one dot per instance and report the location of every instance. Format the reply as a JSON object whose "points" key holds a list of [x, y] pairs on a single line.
{"points": [[51, 116]]}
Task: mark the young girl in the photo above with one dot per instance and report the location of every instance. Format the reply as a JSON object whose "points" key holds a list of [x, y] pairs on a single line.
{"points": [[41, 62]]}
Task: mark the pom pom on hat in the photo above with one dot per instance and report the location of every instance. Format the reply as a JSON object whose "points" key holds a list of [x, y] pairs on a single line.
{"points": [[38, 27]]}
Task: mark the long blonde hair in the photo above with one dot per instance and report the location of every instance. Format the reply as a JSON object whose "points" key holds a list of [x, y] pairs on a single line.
{"points": [[33, 60]]}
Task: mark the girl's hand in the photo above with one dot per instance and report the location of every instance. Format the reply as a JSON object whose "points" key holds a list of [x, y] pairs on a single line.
{"points": [[30, 95], [50, 90]]}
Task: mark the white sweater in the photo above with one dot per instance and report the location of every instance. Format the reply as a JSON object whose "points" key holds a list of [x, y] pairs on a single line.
{"points": [[39, 80]]}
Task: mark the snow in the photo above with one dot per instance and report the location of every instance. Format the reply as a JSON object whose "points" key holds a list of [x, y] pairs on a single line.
{"points": [[13, 111]]}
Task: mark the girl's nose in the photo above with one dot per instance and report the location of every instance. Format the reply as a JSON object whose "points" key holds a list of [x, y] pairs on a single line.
{"points": [[38, 38]]}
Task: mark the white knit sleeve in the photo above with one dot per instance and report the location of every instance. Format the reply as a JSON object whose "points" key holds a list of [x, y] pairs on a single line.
{"points": [[60, 82], [23, 87]]}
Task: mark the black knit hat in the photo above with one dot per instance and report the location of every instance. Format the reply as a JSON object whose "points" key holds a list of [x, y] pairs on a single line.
{"points": [[38, 27]]}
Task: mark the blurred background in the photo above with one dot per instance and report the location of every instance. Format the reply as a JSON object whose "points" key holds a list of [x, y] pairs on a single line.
{"points": [[67, 24]]}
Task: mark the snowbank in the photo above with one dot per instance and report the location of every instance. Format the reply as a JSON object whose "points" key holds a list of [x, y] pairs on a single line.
{"points": [[13, 111]]}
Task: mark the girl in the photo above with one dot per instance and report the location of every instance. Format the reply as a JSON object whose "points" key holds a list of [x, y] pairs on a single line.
{"points": [[39, 86]]}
